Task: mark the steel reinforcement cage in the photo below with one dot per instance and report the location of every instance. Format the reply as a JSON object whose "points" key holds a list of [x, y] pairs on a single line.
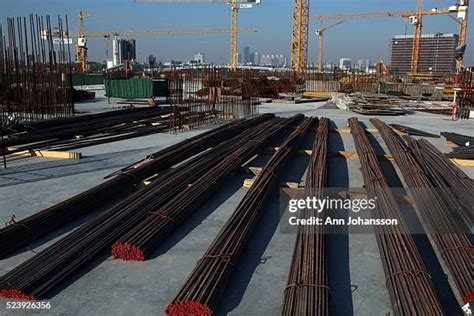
{"points": [[35, 69], [207, 95]]}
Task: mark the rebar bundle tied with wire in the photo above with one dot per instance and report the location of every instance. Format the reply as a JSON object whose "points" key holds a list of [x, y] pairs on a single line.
{"points": [[141, 241], [35, 68], [456, 187], [410, 286], [29, 229], [36, 277], [307, 290], [202, 290], [455, 248]]}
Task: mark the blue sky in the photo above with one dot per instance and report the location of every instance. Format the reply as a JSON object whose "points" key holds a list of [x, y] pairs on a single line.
{"points": [[354, 38]]}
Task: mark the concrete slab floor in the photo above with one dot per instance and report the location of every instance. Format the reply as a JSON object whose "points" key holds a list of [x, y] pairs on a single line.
{"points": [[112, 287]]}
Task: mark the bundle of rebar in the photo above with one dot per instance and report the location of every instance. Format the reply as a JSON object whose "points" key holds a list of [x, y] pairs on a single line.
{"points": [[202, 290], [456, 187], [307, 290], [94, 129], [21, 233], [458, 139], [453, 245], [410, 286], [412, 131], [462, 152], [35, 68], [37, 276], [141, 241]]}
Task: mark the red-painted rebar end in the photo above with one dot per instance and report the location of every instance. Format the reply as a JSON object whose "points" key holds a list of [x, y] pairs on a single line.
{"points": [[469, 297], [188, 308], [16, 295], [127, 252]]}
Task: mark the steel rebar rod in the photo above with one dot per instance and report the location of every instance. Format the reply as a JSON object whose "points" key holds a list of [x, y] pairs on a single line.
{"points": [[38, 276], [453, 245], [307, 289], [141, 241], [202, 290], [410, 286], [29, 229]]}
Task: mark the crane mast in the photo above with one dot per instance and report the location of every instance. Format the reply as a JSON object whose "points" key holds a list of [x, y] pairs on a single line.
{"points": [[234, 25], [299, 36], [464, 4], [320, 54], [320, 33], [417, 21], [81, 46]]}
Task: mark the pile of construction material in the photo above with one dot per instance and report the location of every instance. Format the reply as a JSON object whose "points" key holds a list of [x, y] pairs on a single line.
{"points": [[465, 145], [370, 104], [429, 107], [215, 155], [383, 104], [86, 130], [82, 95], [134, 227]]}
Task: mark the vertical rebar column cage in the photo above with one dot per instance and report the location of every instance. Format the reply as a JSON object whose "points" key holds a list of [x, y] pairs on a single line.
{"points": [[35, 68], [207, 95]]}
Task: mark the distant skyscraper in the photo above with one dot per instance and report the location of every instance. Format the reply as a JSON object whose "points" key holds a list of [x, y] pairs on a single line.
{"points": [[246, 56], [255, 58], [239, 58], [363, 65], [151, 61], [200, 58], [345, 63], [123, 49]]}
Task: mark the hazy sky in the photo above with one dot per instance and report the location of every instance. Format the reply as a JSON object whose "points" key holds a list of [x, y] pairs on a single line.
{"points": [[353, 39]]}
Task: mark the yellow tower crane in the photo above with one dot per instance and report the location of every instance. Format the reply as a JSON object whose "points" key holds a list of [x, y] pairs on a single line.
{"points": [[320, 32], [417, 22], [81, 47], [463, 13], [299, 36], [460, 8], [235, 5]]}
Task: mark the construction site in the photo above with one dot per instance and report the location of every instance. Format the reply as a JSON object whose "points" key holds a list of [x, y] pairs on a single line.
{"points": [[254, 186]]}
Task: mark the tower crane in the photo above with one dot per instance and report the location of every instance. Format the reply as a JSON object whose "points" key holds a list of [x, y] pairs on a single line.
{"points": [[462, 20], [320, 32], [417, 21], [415, 18], [234, 5], [81, 46], [299, 36]]}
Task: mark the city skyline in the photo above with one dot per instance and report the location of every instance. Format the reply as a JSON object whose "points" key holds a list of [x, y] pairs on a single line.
{"points": [[366, 38]]}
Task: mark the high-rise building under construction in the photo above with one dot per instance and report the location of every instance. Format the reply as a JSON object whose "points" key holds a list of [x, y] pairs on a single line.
{"points": [[437, 54], [123, 49]]}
